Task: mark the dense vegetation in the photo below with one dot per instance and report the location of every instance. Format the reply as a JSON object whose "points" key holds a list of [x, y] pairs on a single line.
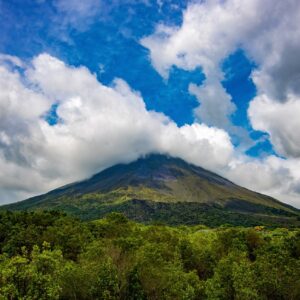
{"points": [[49, 255], [182, 213]]}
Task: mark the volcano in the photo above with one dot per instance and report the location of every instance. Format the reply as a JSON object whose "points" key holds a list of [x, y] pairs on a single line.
{"points": [[159, 188]]}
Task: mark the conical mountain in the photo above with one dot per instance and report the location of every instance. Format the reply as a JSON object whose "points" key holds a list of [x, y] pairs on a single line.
{"points": [[164, 189]]}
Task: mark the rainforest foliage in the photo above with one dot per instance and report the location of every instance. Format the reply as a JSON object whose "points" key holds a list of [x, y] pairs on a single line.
{"points": [[49, 255]]}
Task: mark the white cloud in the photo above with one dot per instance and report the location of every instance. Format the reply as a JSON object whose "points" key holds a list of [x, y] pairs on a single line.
{"points": [[272, 176], [9, 59], [280, 120], [208, 147], [216, 105], [268, 31], [77, 14], [99, 126]]}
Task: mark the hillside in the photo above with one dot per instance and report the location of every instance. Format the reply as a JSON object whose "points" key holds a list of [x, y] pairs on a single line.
{"points": [[164, 189]]}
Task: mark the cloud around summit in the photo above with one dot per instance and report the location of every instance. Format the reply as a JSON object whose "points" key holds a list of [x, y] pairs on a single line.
{"points": [[97, 127]]}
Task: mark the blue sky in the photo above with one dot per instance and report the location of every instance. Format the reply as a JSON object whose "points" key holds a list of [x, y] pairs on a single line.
{"points": [[198, 63]]}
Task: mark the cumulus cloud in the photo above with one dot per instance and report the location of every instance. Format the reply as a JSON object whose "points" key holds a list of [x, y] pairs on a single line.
{"points": [[216, 105], [272, 176], [212, 30], [98, 126], [280, 120]]}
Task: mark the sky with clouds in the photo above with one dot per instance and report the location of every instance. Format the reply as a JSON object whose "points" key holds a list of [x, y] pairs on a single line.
{"points": [[88, 84]]}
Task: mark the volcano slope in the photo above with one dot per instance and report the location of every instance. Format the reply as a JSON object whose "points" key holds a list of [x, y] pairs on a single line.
{"points": [[164, 189]]}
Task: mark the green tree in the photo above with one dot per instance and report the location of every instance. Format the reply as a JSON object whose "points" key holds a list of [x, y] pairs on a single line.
{"points": [[34, 276], [135, 289], [106, 285]]}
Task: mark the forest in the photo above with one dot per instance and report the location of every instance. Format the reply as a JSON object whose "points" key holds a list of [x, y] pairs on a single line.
{"points": [[50, 255]]}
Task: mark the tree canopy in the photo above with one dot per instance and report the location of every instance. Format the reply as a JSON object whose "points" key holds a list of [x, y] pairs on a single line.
{"points": [[49, 255]]}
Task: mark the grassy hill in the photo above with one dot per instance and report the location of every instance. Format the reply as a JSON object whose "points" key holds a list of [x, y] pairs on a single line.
{"points": [[164, 189]]}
